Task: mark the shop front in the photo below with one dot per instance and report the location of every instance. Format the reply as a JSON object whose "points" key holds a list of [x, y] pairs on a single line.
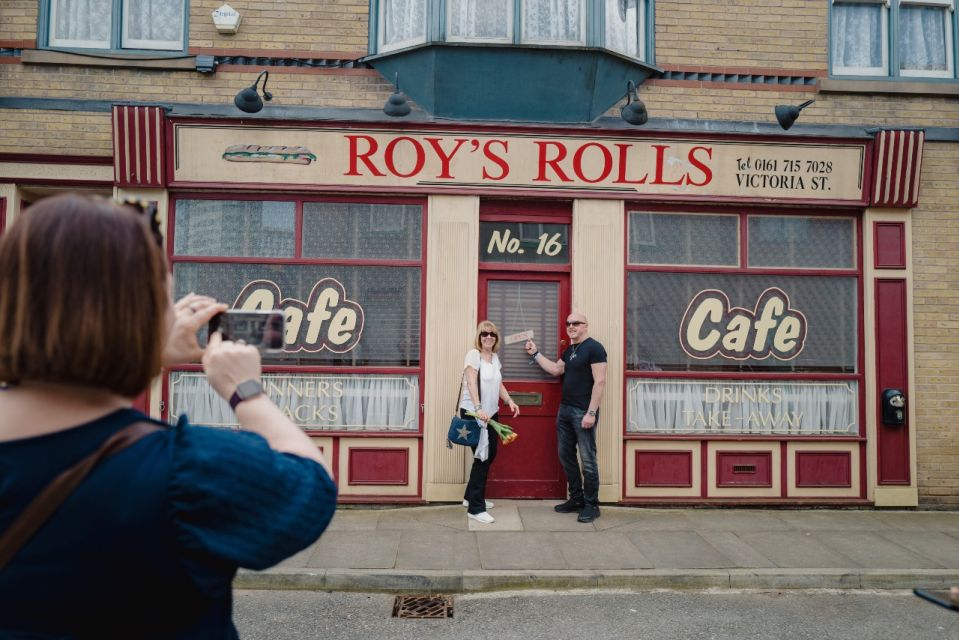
{"points": [[752, 293]]}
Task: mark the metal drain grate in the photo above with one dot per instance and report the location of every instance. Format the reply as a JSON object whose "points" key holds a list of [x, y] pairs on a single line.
{"points": [[423, 607]]}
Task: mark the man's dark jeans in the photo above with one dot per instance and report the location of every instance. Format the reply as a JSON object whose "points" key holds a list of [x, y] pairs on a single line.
{"points": [[570, 434]]}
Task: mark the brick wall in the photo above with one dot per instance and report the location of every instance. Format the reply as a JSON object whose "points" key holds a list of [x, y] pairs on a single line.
{"points": [[935, 246], [55, 132], [785, 34], [18, 19]]}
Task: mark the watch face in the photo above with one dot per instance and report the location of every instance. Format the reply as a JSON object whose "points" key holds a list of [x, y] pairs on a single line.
{"points": [[248, 389]]}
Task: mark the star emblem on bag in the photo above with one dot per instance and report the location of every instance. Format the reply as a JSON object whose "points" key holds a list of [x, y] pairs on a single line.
{"points": [[463, 433]]}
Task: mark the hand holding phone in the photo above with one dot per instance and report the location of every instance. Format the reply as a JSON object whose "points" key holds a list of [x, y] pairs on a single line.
{"points": [[261, 329]]}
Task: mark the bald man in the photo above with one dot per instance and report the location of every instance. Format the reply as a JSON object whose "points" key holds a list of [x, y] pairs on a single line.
{"points": [[583, 367]]}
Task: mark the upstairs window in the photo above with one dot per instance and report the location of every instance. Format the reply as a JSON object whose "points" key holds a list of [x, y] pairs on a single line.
{"points": [[116, 24], [893, 38], [620, 24]]}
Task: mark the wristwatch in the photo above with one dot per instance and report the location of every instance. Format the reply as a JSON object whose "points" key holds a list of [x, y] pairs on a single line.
{"points": [[245, 391], [592, 412]]}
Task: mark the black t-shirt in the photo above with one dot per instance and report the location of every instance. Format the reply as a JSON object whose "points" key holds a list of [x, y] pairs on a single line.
{"points": [[578, 379]]}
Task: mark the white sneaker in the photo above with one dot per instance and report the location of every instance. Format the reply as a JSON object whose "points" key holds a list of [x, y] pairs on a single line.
{"points": [[484, 517], [489, 504]]}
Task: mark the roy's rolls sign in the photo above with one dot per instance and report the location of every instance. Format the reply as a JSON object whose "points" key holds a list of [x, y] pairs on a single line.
{"points": [[465, 161]]}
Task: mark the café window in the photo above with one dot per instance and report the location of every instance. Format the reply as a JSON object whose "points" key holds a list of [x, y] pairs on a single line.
{"points": [[619, 25], [347, 276], [709, 312], [893, 38], [115, 24]]}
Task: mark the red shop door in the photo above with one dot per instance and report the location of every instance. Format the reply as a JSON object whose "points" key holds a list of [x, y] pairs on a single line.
{"points": [[529, 466]]}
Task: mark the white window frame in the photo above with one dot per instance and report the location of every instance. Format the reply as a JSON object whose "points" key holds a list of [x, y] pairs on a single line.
{"points": [[949, 9], [509, 27], [569, 43], [884, 28], [126, 42], [381, 28]]}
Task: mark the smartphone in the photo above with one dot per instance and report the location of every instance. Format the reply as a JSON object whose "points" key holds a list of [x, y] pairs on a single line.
{"points": [[261, 329]]}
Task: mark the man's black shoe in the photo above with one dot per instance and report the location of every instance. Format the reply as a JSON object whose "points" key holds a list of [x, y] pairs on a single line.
{"points": [[588, 514], [569, 506]]}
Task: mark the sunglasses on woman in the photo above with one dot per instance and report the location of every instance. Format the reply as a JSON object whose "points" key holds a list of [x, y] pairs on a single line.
{"points": [[488, 334]]}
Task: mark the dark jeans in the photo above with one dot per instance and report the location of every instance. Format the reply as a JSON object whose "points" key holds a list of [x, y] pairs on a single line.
{"points": [[476, 487], [570, 434]]}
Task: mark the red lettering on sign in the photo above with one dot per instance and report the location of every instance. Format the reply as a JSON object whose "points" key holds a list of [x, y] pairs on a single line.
{"points": [[496, 159], [622, 164], [701, 165], [661, 165], [418, 150], [363, 157], [553, 163], [607, 162], [443, 156]]}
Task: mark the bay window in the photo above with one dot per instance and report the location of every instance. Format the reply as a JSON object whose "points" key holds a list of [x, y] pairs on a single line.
{"points": [[618, 25], [893, 38]]}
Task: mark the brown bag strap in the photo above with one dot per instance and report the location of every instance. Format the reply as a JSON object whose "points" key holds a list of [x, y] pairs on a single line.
{"points": [[60, 488]]}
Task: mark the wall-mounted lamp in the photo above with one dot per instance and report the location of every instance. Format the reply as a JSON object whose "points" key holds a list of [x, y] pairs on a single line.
{"points": [[226, 19], [248, 99], [397, 105], [635, 111], [786, 114]]}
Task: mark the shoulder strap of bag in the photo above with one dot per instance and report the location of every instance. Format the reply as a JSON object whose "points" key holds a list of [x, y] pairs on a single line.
{"points": [[60, 488]]}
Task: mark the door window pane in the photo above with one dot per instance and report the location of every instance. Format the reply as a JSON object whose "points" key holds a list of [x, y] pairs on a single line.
{"points": [[520, 306], [234, 228], [353, 230], [794, 241], [683, 239]]}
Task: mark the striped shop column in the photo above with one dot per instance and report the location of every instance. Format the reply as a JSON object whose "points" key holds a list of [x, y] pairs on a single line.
{"points": [[138, 146], [896, 165]]}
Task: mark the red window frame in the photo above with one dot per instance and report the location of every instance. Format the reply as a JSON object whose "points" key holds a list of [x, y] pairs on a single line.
{"points": [[298, 259], [744, 214]]}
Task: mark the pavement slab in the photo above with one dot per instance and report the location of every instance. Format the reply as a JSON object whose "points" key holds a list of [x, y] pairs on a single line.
{"points": [[352, 550], [520, 550], [605, 550], [678, 549], [873, 551], [431, 550], [936, 546], [796, 550], [731, 546]]}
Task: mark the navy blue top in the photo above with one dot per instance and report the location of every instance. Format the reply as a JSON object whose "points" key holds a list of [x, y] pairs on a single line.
{"points": [[148, 544], [578, 378]]}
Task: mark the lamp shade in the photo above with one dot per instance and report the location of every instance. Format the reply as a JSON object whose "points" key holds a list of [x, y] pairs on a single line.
{"points": [[786, 114], [248, 100]]}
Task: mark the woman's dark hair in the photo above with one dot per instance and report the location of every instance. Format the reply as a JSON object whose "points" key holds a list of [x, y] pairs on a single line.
{"points": [[83, 296]]}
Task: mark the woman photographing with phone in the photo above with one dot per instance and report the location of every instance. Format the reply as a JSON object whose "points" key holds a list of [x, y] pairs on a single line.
{"points": [[147, 543], [482, 390]]}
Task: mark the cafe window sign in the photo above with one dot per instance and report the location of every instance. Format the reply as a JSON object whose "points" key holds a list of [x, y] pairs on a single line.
{"points": [[315, 402], [524, 242], [730, 407]]}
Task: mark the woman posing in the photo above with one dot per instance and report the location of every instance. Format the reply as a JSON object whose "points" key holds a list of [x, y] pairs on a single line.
{"points": [[482, 389]]}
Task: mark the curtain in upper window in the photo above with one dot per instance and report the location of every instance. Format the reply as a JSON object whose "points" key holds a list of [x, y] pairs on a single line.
{"points": [[553, 20], [404, 21], [153, 24], [622, 27], [857, 38], [80, 23], [923, 35], [481, 19]]}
